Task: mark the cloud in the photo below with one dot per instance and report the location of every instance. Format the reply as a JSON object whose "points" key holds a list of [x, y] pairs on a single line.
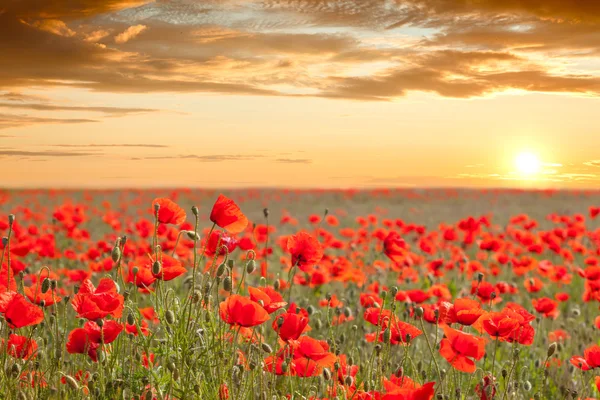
{"points": [[203, 158], [593, 163], [115, 111], [338, 49], [142, 145], [130, 33], [294, 160], [26, 153], [18, 121]]}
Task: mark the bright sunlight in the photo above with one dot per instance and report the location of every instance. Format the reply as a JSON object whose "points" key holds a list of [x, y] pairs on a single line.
{"points": [[527, 163]]}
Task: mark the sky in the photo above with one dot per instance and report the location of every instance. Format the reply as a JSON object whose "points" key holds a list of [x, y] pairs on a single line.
{"points": [[300, 93]]}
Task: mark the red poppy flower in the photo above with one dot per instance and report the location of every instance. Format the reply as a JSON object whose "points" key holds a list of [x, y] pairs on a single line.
{"points": [[19, 312], [546, 306], [270, 298], [590, 359], [460, 348], [169, 212], [170, 268], [86, 340], [241, 311], [394, 247], [311, 356], [499, 324], [95, 303], [464, 311], [290, 326], [226, 214], [404, 388], [217, 241], [21, 347], [306, 251]]}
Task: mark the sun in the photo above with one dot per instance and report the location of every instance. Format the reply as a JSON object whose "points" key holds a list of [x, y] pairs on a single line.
{"points": [[527, 163]]}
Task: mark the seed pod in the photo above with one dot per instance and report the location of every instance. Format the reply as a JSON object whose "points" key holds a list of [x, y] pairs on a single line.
{"points": [[11, 219], [387, 335], [195, 210], [45, 285], [419, 312], [135, 270], [227, 284], [130, 319], [221, 270], [170, 317]]}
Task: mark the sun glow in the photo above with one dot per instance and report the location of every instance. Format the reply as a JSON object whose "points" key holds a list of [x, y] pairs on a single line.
{"points": [[527, 163]]}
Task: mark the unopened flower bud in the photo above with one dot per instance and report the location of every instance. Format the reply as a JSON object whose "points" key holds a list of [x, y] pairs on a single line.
{"points": [[45, 285], [551, 349], [156, 267], [227, 284], [250, 266]]}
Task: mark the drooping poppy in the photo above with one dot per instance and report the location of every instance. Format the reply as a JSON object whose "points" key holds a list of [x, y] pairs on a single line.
{"points": [[169, 212], [226, 214], [306, 251], [95, 303], [241, 311], [18, 311]]}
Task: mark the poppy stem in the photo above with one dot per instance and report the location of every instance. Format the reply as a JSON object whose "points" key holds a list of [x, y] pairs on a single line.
{"points": [[437, 366], [494, 359]]}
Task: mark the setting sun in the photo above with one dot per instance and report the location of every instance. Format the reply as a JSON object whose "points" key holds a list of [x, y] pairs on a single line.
{"points": [[527, 163]]}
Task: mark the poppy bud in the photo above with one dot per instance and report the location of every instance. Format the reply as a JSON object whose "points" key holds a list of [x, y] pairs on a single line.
{"points": [[349, 380], [266, 212], [11, 219], [284, 367], [135, 270], [53, 284], [130, 319], [195, 210], [123, 240], [493, 295], [407, 338], [326, 211], [262, 281], [115, 254], [170, 317], [527, 386], [504, 373], [394, 291], [310, 310], [45, 285], [192, 235], [156, 268], [100, 323], [220, 270], [156, 208], [196, 296], [227, 284], [230, 264], [384, 294], [377, 348], [387, 335], [326, 374], [318, 324], [4, 241], [479, 277], [551, 349], [42, 303], [72, 382], [419, 312], [399, 372], [250, 266], [266, 348], [277, 285]]}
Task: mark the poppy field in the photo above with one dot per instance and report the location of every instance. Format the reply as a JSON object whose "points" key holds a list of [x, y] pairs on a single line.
{"points": [[300, 294]]}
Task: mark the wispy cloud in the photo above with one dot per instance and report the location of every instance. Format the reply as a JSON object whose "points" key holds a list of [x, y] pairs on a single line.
{"points": [[142, 145], [17, 121], [28, 153], [202, 158], [294, 160]]}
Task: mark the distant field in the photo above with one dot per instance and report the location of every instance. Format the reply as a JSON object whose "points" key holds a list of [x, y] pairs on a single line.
{"points": [[304, 294]]}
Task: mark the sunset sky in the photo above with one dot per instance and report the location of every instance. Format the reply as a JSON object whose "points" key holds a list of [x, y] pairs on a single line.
{"points": [[302, 93]]}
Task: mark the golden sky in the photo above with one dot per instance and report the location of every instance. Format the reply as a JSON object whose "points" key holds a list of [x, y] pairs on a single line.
{"points": [[304, 93]]}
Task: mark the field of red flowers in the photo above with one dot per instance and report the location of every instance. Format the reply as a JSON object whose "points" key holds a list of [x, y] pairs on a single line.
{"points": [[273, 294]]}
